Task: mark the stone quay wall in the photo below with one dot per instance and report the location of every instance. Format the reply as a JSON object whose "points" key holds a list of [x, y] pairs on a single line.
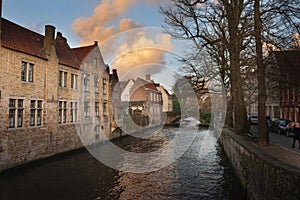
{"points": [[262, 176]]}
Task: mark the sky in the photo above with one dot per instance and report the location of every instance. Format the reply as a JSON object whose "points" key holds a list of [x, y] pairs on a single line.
{"points": [[122, 28]]}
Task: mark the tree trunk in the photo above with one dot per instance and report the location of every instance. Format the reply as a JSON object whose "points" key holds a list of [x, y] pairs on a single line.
{"points": [[233, 13], [262, 127]]}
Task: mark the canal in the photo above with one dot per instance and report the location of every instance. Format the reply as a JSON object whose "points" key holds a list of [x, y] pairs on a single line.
{"points": [[78, 175]]}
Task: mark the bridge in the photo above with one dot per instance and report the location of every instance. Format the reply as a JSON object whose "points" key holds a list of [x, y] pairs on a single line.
{"points": [[171, 119]]}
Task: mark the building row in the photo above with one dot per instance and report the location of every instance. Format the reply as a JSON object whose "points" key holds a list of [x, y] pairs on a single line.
{"points": [[144, 102], [282, 84], [289, 65], [53, 98]]}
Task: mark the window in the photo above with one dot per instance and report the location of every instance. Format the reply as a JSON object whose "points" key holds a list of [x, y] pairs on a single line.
{"points": [[86, 109], [97, 109], [35, 112], [30, 72], [73, 111], [24, 71], [95, 62], [62, 80], [97, 132], [96, 79], [62, 118], [74, 81], [15, 113], [39, 113], [104, 86], [85, 82], [27, 72], [104, 109]]}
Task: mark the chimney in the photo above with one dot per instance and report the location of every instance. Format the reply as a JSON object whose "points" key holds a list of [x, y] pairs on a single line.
{"points": [[49, 38], [148, 77], [114, 71], [96, 43]]}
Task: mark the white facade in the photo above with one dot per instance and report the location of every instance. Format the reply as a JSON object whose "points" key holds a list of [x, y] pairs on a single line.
{"points": [[167, 99], [125, 95]]}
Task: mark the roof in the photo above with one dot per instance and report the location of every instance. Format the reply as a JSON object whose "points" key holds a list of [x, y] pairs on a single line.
{"points": [[18, 38], [148, 85], [21, 39], [151, 86], [64, 54], [83, 52]]}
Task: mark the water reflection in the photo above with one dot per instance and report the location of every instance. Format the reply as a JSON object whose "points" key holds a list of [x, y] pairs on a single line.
{"points": [[79, 176]]}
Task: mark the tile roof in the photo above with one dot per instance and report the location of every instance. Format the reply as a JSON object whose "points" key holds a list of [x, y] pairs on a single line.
{"points": [[64, 54], [151, 86], [83, 52], [21, 39], [143, 83], [18, 38]]}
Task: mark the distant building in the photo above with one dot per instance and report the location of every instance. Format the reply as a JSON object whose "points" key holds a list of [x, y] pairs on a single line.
{"points": [[116, 114], [288, 62], [125, 90], [167, 99], [145, 103]]}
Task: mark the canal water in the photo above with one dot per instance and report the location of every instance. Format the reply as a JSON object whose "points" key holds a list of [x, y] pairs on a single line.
{"points": [[78, 175]]}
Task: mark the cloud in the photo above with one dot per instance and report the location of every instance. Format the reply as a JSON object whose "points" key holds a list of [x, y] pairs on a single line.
{"points": [[95, 27], [136, 49]]}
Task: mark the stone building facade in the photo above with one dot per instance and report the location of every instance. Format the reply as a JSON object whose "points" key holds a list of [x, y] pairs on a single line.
{"points": [[52, 99]]}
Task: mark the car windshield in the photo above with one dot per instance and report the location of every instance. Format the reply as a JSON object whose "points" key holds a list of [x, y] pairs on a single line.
{"points": [[282, 122]]}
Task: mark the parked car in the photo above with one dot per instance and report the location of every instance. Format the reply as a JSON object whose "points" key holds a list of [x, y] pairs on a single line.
{"points": [[290, 129], [253, 119], [279, 125]]}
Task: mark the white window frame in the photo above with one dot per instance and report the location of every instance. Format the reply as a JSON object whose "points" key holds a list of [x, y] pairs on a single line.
{"points": [[62, 78], [85, 82], [15, 109], [27, 72], [62, 106], [36, 112], [73, 111], [74, 81]]}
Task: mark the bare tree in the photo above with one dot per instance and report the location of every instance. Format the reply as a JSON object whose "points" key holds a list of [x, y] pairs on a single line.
{"points": [[216, 27], [262, 128], [276, 20]]}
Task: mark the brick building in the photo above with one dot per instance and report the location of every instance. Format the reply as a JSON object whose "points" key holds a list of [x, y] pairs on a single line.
{"points": [[52, 97], [146, 102], [288, 62]]}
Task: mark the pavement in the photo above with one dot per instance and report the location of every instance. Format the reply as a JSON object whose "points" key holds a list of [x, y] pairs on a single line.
{"points": [[280, 147]]}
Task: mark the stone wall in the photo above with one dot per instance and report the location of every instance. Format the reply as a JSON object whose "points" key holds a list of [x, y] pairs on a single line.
{"points": [[262, 176]]}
